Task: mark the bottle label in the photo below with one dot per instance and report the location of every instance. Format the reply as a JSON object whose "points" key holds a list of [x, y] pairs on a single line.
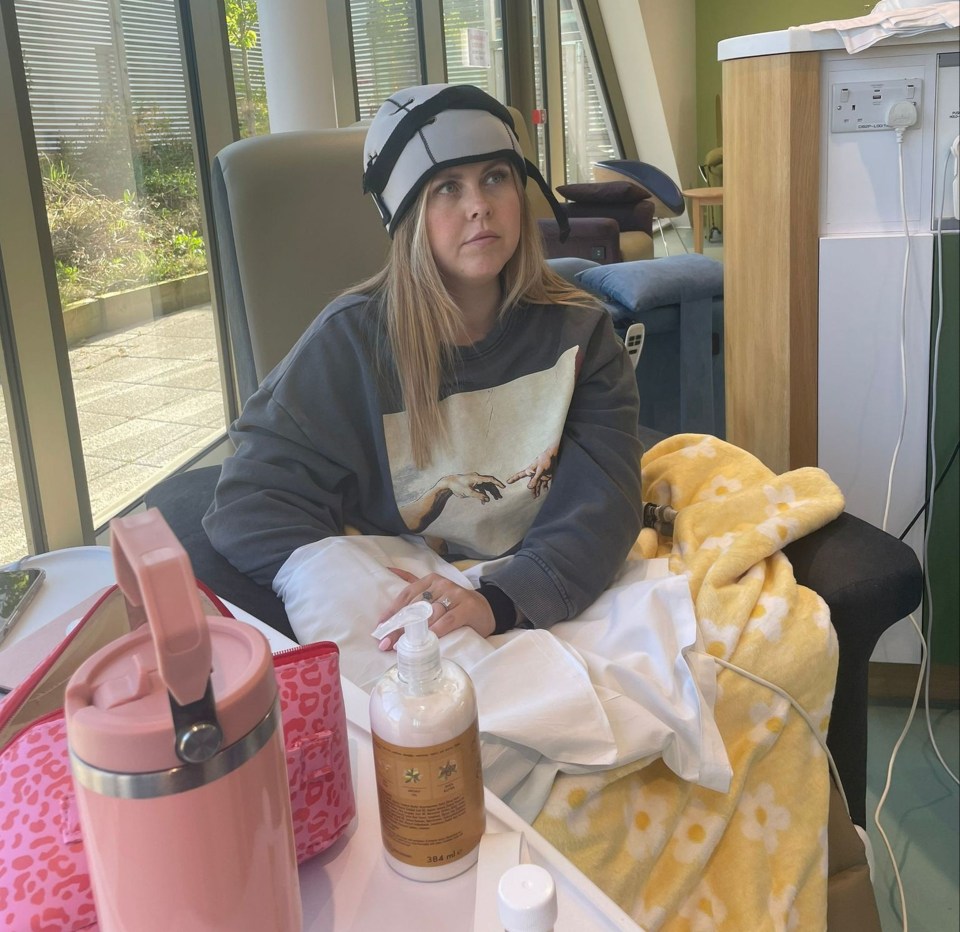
{"points": [[431, 799]]}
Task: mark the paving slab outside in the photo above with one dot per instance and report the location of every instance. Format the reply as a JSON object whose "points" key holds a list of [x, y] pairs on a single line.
{"points": [[148, 399]]}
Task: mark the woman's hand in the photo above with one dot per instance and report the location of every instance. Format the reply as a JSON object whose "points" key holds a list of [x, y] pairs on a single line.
{"points": [[473, 485], [540, 472], [418, 515], [453, 606]]}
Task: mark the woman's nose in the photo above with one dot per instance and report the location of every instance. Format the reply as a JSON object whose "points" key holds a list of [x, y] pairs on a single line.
{"points": [[479, 205]]}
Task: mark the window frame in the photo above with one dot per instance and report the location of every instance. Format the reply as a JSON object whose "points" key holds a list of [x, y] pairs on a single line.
{"points": [[38, 383]]}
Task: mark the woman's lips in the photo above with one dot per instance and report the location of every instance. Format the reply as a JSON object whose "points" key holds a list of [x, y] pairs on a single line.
{"points": [[481, 238]]}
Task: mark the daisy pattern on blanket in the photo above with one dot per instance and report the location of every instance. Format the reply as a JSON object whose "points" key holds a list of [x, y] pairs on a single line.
{"points": [[648, 827], [696, 834], [704, 909], [780, 526], [719, 487], [768, 615], [675, 855], [769, 719], [577, 805], [762, 818]]}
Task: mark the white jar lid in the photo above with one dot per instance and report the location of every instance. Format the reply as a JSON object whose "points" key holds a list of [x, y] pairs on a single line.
{"points": [[527, 899]]}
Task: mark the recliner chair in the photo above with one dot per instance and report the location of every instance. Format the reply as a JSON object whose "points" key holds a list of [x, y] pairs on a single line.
{"points": [[293, 228], [664, 192], [626, 226]]}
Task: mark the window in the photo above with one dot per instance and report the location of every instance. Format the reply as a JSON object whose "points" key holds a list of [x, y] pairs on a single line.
{"points": [[246, 56], [539, 92], [13, 535], [586, 122], [113, 138], [386, 50], [473, 45]]}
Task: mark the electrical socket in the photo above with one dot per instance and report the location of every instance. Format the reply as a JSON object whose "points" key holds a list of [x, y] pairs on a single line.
{"points": [[864, 106]]}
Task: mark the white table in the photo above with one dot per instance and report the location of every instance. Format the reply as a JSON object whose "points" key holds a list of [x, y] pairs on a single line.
{"points": [[350, 886]]}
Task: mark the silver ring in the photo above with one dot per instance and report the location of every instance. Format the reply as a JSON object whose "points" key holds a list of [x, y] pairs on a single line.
{"points": [[444, 601], [427, 596]]}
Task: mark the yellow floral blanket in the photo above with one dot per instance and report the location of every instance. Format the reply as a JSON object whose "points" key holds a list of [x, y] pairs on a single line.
{"points": [[677, 856]]}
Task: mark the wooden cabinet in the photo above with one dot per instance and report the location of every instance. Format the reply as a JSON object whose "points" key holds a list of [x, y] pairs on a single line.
{"points": [[771, 195]]}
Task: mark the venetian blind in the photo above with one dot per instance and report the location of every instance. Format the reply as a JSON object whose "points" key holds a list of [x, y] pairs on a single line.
{"points": [[466, 20], [90, 60], [386, 50], [586, 122]]}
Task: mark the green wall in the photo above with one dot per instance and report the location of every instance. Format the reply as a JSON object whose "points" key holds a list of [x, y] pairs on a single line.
{"points": [[942, 564], [723, 19]]}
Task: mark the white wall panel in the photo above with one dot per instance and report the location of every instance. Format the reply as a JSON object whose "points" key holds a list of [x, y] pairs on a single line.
{"points": [[860, 398]]}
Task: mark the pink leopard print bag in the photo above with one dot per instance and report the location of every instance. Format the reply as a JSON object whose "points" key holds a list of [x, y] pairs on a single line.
{"points": [[44, 884]]}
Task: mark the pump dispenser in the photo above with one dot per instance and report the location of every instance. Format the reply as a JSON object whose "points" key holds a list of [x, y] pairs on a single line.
{"points": [[426, 750]]}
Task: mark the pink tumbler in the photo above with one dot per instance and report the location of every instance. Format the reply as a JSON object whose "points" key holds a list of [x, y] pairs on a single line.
{"points": [[176, 747]]}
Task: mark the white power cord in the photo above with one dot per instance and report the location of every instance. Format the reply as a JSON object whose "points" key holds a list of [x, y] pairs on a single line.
{"points": [[886, 786], [901, 116], [900, 120], [780, 691]]}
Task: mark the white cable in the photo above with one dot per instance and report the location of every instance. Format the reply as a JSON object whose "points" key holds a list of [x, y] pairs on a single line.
{"points": [[832, 765], [903, 333], [886, 515], [893, 758], [803, 714]]}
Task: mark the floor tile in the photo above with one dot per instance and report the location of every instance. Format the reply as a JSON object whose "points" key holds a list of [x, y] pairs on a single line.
{"points": [[148, 399], [921, 818], [132, 440], [129, 367], [133, 400], [119, 487]]}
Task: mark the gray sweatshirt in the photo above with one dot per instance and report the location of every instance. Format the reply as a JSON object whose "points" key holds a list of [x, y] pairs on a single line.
{"points": [[541, 459]]}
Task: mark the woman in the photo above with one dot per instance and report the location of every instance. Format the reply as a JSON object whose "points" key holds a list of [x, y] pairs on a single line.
{"points": [[465, 393]]}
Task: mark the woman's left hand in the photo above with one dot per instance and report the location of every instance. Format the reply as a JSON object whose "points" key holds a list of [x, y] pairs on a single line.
{"points": [[453, 606]]}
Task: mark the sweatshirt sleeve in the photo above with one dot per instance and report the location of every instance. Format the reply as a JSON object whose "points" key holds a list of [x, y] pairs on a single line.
{"points": [[300, 442], [592, 514]]}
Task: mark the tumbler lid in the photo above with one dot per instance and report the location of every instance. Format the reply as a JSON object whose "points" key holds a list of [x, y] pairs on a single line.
{"points": [[118, 707], [176, 690]]}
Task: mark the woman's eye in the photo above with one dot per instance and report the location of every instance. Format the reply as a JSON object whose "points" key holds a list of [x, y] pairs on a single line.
{"points": [[447, 187], [497, 176]]}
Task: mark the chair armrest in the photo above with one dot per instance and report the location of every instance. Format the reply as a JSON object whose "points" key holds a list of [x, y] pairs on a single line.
{"points": [[183, 500], [596, 238], [629, 217], [869, 579]]}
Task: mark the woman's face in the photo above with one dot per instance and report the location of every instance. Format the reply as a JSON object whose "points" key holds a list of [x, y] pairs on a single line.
{"points": [[472, 222]]}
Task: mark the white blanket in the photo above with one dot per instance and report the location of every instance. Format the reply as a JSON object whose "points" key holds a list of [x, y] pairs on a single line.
{"points": [[625, 681], [896, 18]]}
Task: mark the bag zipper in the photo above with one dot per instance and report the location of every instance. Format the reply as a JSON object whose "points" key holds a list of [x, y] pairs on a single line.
{"points": [[305, 652]]}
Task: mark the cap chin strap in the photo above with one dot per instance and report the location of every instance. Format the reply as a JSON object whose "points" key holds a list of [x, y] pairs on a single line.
{"points": [[562, 220]]}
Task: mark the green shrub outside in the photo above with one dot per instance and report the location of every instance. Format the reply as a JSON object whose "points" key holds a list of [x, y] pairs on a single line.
{"points": [[124, 210]]}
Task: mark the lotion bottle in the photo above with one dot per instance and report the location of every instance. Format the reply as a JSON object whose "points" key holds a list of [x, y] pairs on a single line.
{"points": [[426, 751]]}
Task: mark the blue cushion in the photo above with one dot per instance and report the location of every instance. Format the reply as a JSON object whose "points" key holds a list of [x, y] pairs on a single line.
{"points": [[568, 266], [649, 283]]}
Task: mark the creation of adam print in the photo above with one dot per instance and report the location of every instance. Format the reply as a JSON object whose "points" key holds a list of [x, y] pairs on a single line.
{"points": [[478, 497]]}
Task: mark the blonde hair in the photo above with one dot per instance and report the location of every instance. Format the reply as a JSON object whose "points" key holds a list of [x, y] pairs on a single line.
{"points": [[423, 320]]}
